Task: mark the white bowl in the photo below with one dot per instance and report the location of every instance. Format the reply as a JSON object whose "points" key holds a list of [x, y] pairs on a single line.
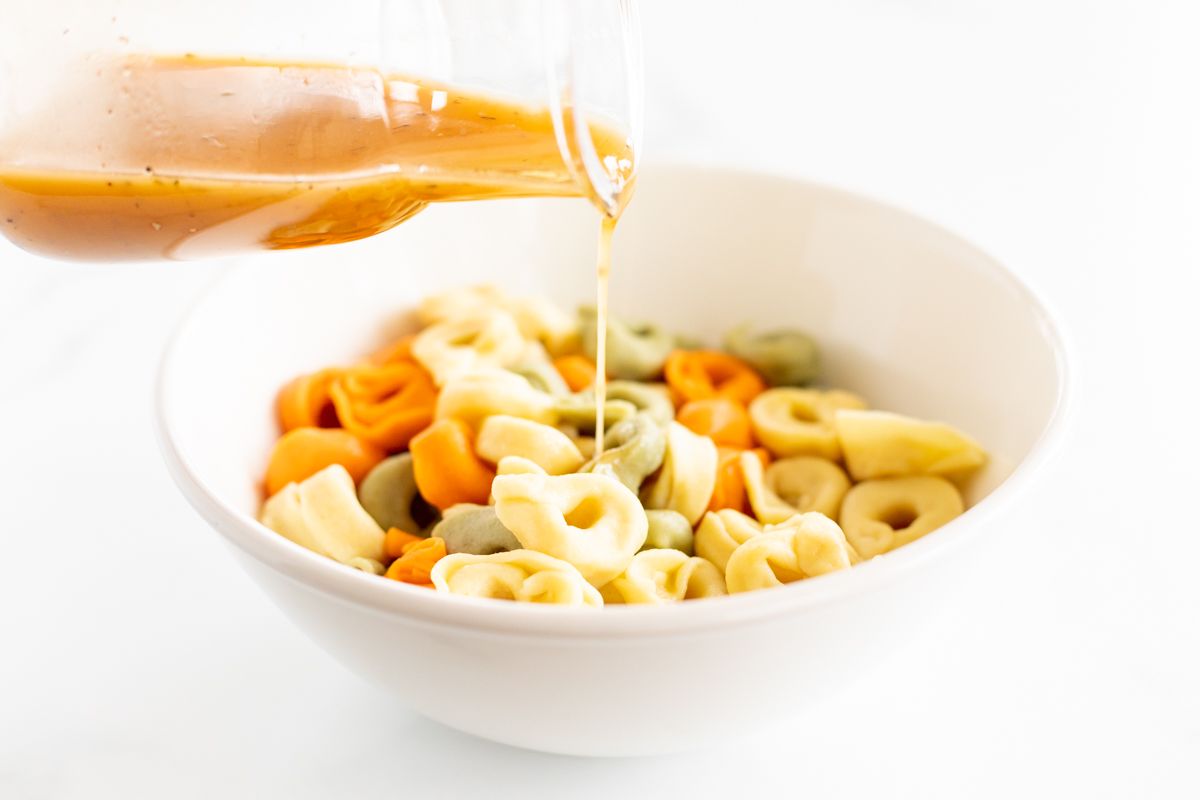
{"points": [[910, 316]]}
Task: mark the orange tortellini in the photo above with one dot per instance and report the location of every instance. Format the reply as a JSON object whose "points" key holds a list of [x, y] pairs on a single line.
{"points": [[462, 459]]}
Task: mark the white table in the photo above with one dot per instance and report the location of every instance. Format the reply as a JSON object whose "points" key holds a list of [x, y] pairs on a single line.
{"points": [[137, 661]]}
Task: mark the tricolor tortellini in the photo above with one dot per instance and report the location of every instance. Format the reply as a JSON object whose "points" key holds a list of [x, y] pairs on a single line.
{"points": [[805, 546], [533, 509], [793, 485], [880, 515], [799, 422], [664, 576], [689, 473], [523, 575], [462, 345], [591, 521], [322, 513]]}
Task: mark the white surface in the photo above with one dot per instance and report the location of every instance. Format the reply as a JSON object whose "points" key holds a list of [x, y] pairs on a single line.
{"points": [[576, 683], [138, 661]]}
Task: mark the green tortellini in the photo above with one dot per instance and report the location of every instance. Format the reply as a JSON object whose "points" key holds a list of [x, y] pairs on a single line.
{"points": [[633, 352], [783, 357], [633, 449], [475, 529], [579, 411], [669, 530], [651, 398], [389, 494]]}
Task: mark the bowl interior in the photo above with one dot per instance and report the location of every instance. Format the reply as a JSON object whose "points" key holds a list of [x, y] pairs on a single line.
{"points": [[909, 316]]}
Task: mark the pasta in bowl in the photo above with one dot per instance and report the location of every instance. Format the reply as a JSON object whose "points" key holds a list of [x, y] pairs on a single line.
{"points": [[978, 355], [500, 452]]}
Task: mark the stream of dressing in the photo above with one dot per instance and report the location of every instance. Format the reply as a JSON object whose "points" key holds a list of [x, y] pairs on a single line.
{"points": [[603, 268]]}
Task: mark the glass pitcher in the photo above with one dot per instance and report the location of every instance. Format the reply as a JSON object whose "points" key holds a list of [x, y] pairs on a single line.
{"points": [[132, 129]]}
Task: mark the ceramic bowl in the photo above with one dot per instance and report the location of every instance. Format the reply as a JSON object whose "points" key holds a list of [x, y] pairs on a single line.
{"points": [[908, 315]]}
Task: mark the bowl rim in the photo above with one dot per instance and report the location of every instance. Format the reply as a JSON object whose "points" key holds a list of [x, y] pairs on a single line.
{"points": [[422, 607]]}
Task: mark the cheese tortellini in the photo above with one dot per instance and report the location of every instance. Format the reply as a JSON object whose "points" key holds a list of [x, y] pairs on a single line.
{"points": [[799, 422], [805, 546], [878, 444], [523, 575], [793, 485], [706, 483], [536, 317], [591, 521], [664, 576], [688, 475], [486, 393], [549, 448], [462, 345], [722, 532], [323, 514], [881, 515]]}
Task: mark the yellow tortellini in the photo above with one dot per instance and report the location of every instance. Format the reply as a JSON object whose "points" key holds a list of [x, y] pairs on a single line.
{"points": [[793, 485], [537, 368], [526, 576], [880, 515], [591, 521], [486, 393], [722, 532], [664, 576], [688, 475], [878, 444], [551, 449], [536, 317], [805, 546], [323, 514], [462, 345], [799, 422]]}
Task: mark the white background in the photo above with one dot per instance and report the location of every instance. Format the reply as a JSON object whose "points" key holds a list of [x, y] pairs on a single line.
{"points": [[1064, 137]]}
